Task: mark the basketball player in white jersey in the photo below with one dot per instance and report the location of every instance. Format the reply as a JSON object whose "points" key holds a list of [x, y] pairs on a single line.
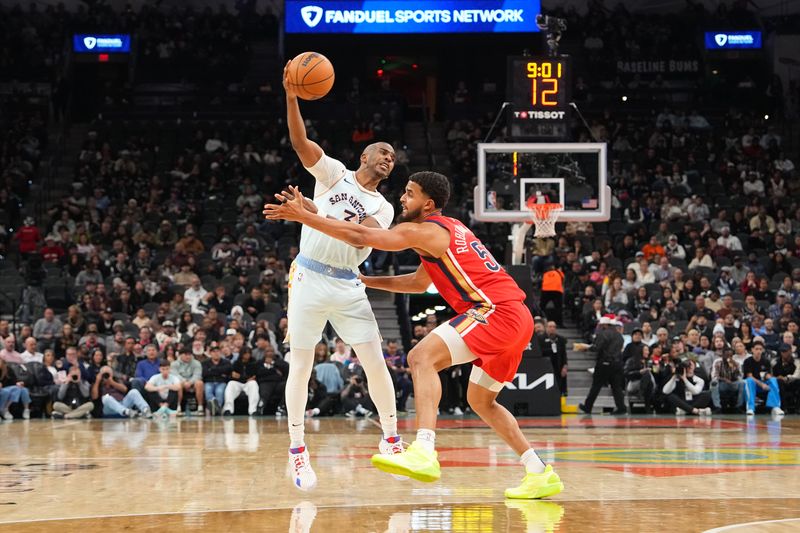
{"points": [[324, 284]]}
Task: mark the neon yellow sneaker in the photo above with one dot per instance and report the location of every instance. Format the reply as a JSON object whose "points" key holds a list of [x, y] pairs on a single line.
{"points": [[536, 486], [416, 462], [538, 515]]}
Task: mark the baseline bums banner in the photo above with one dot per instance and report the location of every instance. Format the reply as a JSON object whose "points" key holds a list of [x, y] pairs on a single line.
{"points": [[412, 16], [101, 44], [727, 40]]}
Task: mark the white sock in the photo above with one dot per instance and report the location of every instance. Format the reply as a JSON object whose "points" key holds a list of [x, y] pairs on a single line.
{"points": [[297, 393], [427, 439], [531, 462], [379, 381]]}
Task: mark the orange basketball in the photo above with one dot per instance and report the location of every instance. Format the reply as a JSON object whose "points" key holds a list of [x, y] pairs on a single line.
{"points": [[312, 75]]}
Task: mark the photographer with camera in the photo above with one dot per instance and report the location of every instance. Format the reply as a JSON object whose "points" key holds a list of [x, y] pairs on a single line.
{"points": [[117, 400], [684, 390], [73, 399], [355, 398]]}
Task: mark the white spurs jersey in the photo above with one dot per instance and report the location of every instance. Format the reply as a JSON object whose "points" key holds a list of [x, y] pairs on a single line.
{"points": [[338, 195]]}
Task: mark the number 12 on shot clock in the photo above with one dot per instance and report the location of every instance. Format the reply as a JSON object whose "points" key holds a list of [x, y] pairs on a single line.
{"points": [[545, 77]]}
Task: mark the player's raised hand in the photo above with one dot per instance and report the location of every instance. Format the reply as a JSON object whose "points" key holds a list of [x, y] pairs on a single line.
{"points": [[290, 207], [288, 195], [287, 86]]}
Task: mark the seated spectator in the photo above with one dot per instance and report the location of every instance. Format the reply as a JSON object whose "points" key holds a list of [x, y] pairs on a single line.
{"points": [[787, 371], [639, 375], [165, 390], [728, 241], [243, 380], [271, 374], [221, 301], [216, 374], [355, 398], [73, 399], [673, 249], [726, 379], [167, 335], [9, 353], [701, 259], [320, 402], [47, 330], [759, 382], [12, 391], [652, 249], [194, 294], [190, 371], [31, 355], [684, 390], [146, 368]]}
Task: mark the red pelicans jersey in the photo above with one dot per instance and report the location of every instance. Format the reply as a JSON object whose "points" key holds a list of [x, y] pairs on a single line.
{"points": [[467, 276]]}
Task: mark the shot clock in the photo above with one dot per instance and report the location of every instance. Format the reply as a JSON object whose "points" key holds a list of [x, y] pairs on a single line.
{"points": [[539, 90]]}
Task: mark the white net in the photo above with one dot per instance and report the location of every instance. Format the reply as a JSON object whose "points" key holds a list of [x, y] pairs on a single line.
{"points": [[544, 217]]}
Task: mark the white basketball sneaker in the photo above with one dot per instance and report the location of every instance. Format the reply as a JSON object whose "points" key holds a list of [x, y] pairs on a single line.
{"points": [[392, 446], [303, 476]]}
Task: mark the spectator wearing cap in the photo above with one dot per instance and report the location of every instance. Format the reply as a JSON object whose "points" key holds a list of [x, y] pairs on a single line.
{"points": [[189, 244], [225, 250], [248, 260], [106, 322], [167, 335], [28, 237], [47, 329], [634, 348], [92, 339], [190, 371], [786, 370], [242, 283], [728, 241], [759, 381], [165, 236], [52, 251], [673, 249]]}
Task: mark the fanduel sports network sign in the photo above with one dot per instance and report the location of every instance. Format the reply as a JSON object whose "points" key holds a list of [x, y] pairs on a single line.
{"points": [[412, 16], [101, 44], [718, 40]]}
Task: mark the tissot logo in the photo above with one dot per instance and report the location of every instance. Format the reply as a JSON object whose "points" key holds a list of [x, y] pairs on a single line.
{"points": [[89, 42], [720, 39], [311, 15]]}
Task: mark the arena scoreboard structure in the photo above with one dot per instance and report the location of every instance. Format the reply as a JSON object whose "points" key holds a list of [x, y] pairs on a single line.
{"points": [[539, 90]]}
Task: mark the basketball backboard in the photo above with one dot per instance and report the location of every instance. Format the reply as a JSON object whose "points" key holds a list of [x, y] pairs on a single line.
{"points": [[572, 174]]}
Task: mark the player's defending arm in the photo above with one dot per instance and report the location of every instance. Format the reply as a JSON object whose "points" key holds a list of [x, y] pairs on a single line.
{"points": [[307, 150], [423, 237], [416, 282]]}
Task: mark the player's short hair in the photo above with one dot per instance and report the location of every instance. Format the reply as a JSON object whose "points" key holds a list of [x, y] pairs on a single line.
{"points": [[435, 185]]}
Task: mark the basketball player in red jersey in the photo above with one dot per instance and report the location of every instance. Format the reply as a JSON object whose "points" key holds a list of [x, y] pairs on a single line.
{"points": [[491, 329]]}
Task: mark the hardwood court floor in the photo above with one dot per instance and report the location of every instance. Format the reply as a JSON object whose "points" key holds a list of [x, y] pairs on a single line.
{"points": [[621, 474]]}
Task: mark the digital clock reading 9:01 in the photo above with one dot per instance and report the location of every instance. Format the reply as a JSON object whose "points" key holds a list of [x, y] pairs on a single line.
{"points": [[539, 83]]}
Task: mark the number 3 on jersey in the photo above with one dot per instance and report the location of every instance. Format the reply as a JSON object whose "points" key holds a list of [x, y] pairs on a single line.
{"points": [[484, 254]]}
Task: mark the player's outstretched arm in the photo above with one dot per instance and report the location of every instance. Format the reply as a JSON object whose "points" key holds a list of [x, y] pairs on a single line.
{"points": [[400, 237], [407, 283], [307, 150]]}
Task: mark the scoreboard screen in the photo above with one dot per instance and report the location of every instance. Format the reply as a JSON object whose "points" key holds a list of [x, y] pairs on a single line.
{"points": [[539, 89]]}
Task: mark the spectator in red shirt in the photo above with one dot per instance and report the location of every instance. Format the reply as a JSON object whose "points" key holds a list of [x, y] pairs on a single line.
{"points": [[52, 252], [652, 249], [28, 237]]}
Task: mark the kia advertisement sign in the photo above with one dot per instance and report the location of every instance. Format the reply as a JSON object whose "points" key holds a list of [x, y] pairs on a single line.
{"points": [[728, 40], [101, 44], [412, 16]]}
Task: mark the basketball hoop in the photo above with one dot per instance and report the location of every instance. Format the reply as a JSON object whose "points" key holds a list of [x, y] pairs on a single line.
{"points": [[544, 216]]}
